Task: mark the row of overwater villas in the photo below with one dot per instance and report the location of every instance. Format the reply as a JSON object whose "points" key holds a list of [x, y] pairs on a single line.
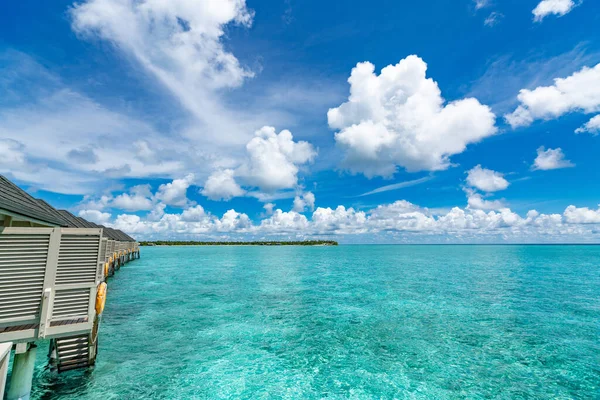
{"points": [[53, 271]]}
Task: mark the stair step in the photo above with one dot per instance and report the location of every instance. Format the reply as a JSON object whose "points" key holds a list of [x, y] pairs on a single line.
{"points": [[72, 354], [63, 368]]}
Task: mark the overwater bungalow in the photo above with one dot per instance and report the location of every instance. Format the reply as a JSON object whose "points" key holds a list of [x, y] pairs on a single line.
{"points": [[53, 271]]}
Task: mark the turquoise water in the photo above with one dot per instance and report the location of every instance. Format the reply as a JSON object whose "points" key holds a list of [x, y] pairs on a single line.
{"points": [[347, 322]]}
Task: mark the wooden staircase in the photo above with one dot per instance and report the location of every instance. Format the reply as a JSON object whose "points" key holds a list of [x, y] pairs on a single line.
{"points": [[75, 352], [72, 353]]}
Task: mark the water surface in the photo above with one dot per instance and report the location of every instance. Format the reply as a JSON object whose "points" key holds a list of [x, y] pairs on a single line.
{"points": [[347, 322]]}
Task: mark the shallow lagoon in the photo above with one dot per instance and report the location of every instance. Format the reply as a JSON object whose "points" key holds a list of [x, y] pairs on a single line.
{"points": [[359, 322]]}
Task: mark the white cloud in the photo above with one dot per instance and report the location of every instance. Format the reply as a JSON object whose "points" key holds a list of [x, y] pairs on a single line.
{"points": [[282, 222], [157, 212], [179, 42], [274, 159], [193, 214], [304, 201], [400, 220], [138, 199], [493, 19], [556, 7], [129, 202], [584, 215], [175, 193], [272, 163], [479, 4], [579, 92], [592, 126], [95, 216], [486, 179], [80, 132], [551, 159], [398, 118], [476, 201], [11, 153], [221, 185], [269, 208]]}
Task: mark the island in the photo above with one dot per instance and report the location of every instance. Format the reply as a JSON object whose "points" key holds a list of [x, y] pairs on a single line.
{"points": [[259, 243]]}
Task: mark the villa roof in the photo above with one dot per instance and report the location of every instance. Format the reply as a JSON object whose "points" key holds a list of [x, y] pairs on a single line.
{"points": [[15, 201]]}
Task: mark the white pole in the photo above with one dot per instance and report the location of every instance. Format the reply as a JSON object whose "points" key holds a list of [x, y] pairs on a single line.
{"points": [[4, 357], [22, 375]]}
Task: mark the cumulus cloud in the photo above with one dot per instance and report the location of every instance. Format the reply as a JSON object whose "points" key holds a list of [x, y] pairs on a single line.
{"points": [[579, 92], [269, 208], [556, 7], [583, 215], [284, 222], [486, 179], [175, 193], [193, 214], [551, 159], [399, 119], [592, 126], [138, 199], [141, 198], [101, 218], [477, 202], [304, 201], [274, 159], [221, 185], [272, 163], [390, 222]]}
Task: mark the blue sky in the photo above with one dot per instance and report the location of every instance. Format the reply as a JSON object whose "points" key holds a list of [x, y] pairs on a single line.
{"points": [[236, 119]]}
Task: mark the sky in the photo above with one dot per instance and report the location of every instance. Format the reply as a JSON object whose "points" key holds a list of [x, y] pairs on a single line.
{"points": [[467, 121]]}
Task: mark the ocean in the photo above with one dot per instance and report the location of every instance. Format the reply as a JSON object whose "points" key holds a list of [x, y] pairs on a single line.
{"points": [[346, 322]]}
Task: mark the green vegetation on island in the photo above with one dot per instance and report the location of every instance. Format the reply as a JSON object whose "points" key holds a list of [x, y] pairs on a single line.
{"points": [[264, 243]]}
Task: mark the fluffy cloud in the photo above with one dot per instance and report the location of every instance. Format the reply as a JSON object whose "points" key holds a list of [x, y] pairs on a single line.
{"points": [[556, 7], [584, 215], [272, 163], [95, 216], [551, 159], [175, 193], [269, 208], [274, 159], [398, 118], [342, 220], [400, 220], [592, 126], [138, 199], [476, 201], [304, 201], [486, 179], [578, 92], [284, 222], [141, 198], [221, 185]]}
